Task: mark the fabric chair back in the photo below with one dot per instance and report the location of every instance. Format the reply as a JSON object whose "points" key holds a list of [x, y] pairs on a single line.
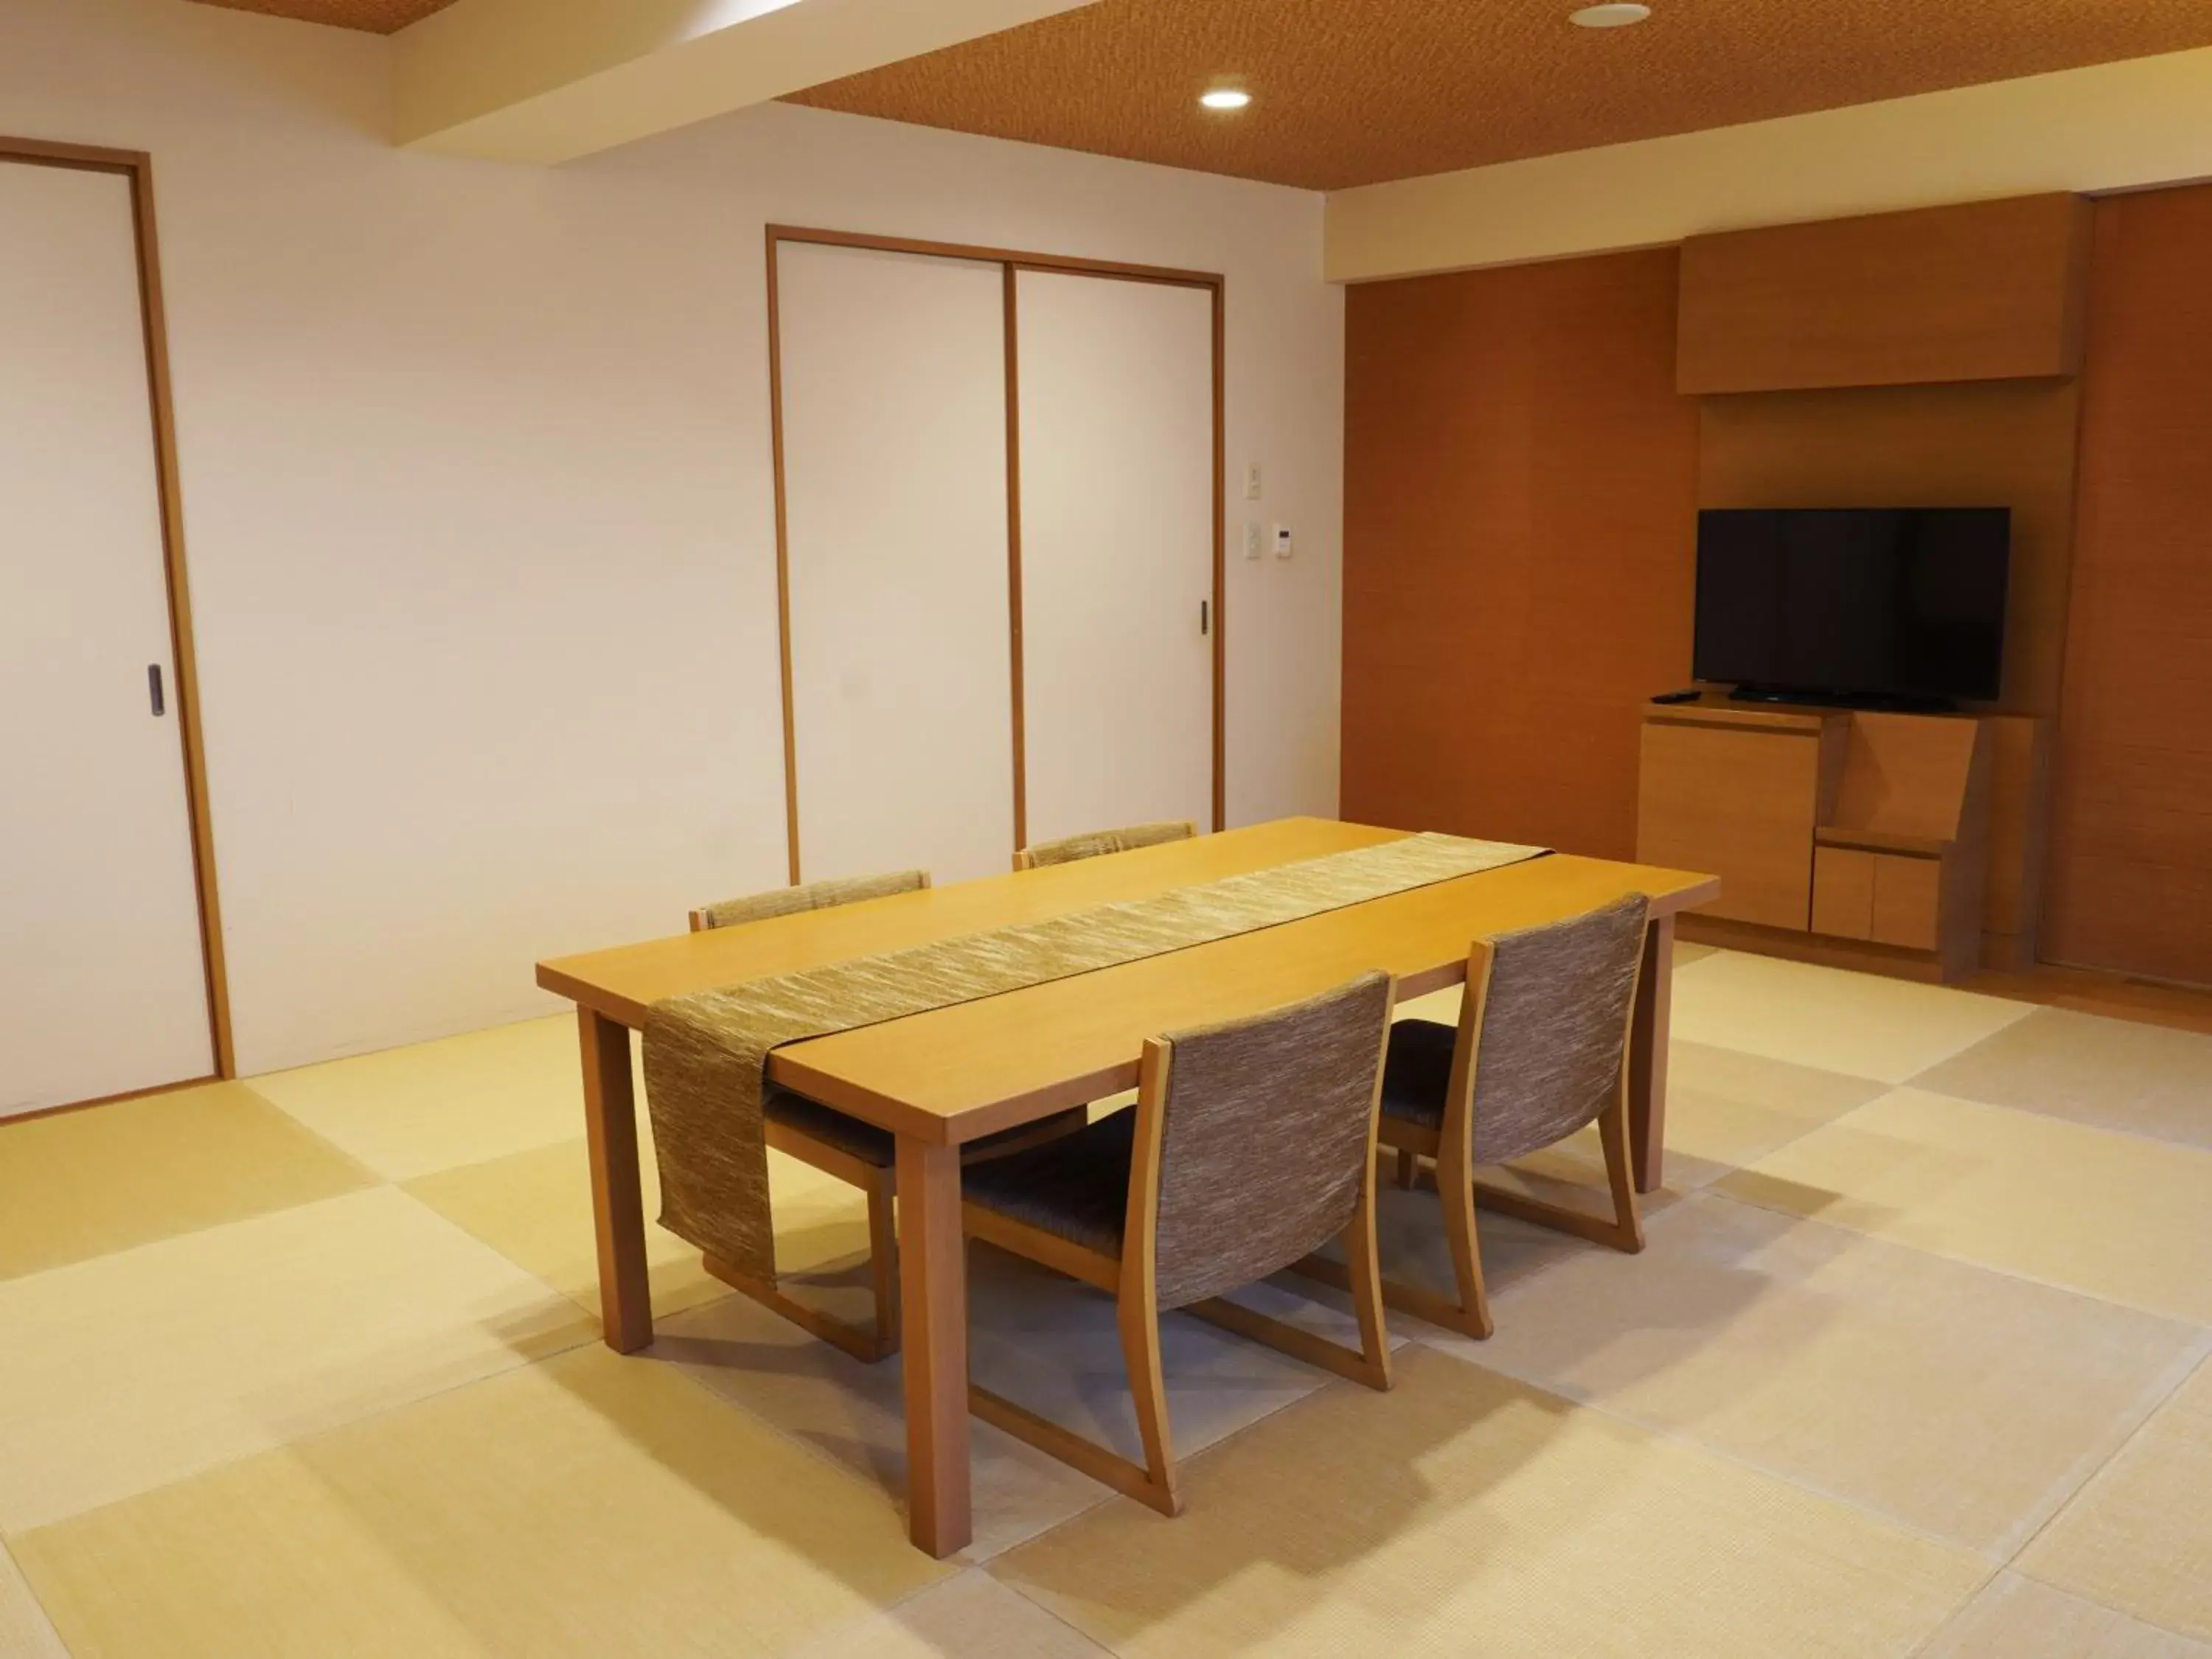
{"points": [[810, 895], [1555, 1012], [1099, 841], [1266, 1129]]}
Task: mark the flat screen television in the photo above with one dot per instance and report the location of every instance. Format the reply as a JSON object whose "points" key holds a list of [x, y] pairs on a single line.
{"points": [[1896, 606]]}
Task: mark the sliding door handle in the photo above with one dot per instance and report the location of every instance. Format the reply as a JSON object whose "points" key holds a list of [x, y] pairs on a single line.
{"points": [[153, 689], [1206, 616]]}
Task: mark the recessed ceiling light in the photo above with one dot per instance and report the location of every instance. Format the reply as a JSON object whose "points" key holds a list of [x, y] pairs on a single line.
{"points": [[1613, 15], [1225, 98]]}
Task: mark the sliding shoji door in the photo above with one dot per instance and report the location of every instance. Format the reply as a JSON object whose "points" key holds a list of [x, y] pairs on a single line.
{"points": [[1118, 510], [892, 383], [103, 983]]}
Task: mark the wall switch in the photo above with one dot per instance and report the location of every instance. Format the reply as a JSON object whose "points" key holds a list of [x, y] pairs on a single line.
{"points": [[1282, 541], [1252, 481], [1253, 538]]}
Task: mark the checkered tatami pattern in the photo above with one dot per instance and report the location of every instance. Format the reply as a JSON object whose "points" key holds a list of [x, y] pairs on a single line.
{"points": [[1916, 1363]]}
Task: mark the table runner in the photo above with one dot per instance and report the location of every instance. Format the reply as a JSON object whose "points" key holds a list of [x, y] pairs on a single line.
{"points": [[705, 1052]]}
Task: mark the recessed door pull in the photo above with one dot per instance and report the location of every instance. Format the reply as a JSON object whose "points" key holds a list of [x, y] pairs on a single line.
{"points": [[153, 687]]}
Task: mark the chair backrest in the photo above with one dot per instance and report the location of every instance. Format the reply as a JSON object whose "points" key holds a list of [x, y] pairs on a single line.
{"points": [[1254, 1137], [1549, 1008], [810, 895], [1099, 841]]}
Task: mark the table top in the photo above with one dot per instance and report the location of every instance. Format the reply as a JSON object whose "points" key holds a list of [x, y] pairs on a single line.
{"points": [[955, 1073]]}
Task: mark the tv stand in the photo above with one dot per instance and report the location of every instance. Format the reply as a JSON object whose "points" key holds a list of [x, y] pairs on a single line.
{"points": [[1855, 836], [1875, 701]]}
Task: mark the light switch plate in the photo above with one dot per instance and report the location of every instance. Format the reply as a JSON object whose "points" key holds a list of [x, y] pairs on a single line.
{"points": [[1253, 540], [1252, 481]]}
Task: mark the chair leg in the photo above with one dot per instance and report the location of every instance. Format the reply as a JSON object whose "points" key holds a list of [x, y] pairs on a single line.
{"points": [[1157, 1483], [1409, 1167], [1359, 1274], [1141, 1352], [1364, 1262], [884, 1264], [1456, 1191], [1624, 1231], [1627, 1219]]}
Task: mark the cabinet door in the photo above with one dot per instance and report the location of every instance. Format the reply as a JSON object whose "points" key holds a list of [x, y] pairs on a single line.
{"points": [[1907, 900], [1843, 892], [1739, 805]]}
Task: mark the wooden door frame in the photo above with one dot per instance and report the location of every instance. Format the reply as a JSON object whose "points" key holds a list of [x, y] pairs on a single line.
{"points": [[1012, 262], [137, 166]]}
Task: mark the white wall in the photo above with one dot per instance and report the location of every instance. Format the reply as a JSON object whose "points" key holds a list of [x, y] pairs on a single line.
{"points": [[476, 473]]}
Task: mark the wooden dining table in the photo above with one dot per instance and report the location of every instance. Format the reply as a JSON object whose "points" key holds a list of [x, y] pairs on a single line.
{"points": [[939, 1079]]}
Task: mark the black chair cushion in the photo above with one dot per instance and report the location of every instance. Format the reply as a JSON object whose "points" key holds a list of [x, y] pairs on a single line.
{"points": [[1417, 1074], [1076, 1187], [830, 1126], [853, 1138]]}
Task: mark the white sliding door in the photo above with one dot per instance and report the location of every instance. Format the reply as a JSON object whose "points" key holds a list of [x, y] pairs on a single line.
{"points": [[102, 985], [893, 389], [1117, 512]]}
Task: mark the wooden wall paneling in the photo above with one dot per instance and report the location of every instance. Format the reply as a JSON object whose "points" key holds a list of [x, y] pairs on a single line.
{"points": [[2009, 444], [1519, 546], [2130, 885], [1978, 291], [1992, 444]]}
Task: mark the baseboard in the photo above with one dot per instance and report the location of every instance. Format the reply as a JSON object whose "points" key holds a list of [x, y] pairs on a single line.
{"points": [[1861, 955]]}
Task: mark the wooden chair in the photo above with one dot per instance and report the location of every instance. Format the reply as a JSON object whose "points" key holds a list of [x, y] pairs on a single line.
{"points": [[1540, 1052], [1097, 842], [859, 1154], [1251, 1144]]}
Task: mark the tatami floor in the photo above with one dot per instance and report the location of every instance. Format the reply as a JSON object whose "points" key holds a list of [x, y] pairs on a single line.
{"points": [[1916, 1363]]}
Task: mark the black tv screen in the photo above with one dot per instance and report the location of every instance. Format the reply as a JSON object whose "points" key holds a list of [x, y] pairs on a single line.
{"points": [[1902, 604]]}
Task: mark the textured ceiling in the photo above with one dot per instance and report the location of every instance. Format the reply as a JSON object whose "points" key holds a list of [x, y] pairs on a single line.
{"points": [[377, 16], [1349, 92]]}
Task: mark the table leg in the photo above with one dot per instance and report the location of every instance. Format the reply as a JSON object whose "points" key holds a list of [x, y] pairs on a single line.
{"points": [[617, 1201], [1647, 1056], [933, 1314]]}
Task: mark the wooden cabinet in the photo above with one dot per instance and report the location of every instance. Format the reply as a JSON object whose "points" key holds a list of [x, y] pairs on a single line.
{"points": [[1827, 826], [1976, 291]]}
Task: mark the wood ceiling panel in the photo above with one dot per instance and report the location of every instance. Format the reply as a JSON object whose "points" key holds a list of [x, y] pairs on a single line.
{"points": [[376, 16], [1351, 92]]}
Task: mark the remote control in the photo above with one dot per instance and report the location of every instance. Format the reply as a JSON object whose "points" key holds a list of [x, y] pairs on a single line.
{"points": [[1689, 695]]}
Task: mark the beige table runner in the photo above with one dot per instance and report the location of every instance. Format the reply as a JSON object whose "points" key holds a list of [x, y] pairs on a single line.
{"points": [[705, 1052]]}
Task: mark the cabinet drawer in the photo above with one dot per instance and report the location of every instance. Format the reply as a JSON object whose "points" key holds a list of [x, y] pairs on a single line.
{"points": [[1843, 892], [1906, 899]]}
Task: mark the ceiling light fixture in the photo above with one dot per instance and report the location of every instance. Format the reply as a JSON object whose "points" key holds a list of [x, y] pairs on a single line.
{"points": [[1613, 15], [1225, 98]]}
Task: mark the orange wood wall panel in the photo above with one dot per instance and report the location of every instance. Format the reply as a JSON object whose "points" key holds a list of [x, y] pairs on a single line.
{"points": [[1992, 444], [2131, 832], [1979, 291], [1519, 528]]}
